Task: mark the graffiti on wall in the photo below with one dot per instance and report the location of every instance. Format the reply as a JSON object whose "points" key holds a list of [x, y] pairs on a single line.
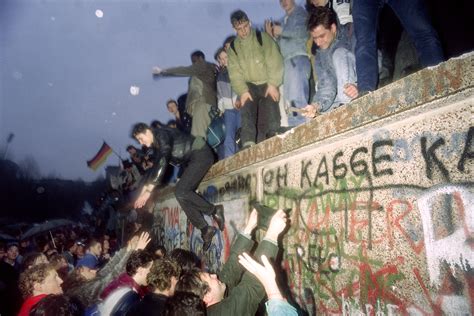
{"points": [[172, 229], [233, 188], [375, 234], [167, 226]]}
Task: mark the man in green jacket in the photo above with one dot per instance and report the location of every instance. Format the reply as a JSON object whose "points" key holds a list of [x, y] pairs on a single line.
{"points": [[255, 71], [235, 291], [201, 93]]}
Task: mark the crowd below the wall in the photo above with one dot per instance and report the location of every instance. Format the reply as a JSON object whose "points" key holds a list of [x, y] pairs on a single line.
{"points": [[76, 271], [312, 61]]}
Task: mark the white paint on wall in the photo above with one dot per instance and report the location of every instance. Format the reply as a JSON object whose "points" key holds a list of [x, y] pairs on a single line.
{"points": [[453, 249]]}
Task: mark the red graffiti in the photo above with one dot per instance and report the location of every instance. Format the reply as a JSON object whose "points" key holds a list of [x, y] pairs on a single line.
{"points": [[396, 222], [171, 216]]}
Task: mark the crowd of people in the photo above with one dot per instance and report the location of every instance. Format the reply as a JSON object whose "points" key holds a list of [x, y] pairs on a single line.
{"points": [[325, 48], [141, 278], [312, 61]]}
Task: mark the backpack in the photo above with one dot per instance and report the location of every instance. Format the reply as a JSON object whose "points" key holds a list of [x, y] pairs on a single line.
{"points": [[215, 133], [259, 39]]}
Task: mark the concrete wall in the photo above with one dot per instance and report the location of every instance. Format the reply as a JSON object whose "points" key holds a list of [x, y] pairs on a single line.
{"points": [[381, 193]]}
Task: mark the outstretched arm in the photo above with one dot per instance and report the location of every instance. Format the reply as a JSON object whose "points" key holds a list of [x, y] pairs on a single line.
{"points": [[276, 305], [245, 297], [232, 270]]}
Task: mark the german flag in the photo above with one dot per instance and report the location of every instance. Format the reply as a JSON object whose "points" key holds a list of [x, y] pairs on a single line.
{"points": [[100, 157]]}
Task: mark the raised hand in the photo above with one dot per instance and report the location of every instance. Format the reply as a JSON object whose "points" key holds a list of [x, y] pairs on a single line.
{"points": [[264, 273], [251, 223], [277, 225], [143, 241]]}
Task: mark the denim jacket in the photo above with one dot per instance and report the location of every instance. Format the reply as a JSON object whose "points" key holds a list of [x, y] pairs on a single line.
{"points": [[294, 35], [329, 94], [276, 307]]}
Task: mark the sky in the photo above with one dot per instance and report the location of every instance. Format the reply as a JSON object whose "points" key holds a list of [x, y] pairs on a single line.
{"points": [[67, 67]]}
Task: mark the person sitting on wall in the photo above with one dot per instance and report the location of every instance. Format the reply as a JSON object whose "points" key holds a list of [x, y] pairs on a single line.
{"points": [[174, 146]]}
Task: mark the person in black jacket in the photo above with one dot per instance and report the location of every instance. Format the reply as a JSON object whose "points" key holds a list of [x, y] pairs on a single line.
{"points": [[173, 146]]}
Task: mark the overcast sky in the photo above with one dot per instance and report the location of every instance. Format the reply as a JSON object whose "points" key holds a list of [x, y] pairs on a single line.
{"points": [[67, 67]]}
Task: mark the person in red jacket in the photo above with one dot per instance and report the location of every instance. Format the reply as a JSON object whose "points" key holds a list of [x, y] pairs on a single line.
{"points": [[135, 277], [36, 283]]}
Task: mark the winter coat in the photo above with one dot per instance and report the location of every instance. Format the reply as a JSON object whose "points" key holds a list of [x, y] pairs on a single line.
{"points": [[252, 62], [244, 292], [88, 292]]}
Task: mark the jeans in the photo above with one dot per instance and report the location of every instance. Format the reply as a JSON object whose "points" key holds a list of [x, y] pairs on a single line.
{"points": [[193, 204], [260, 118], [296, 86], [415, 20], [232, 124]]}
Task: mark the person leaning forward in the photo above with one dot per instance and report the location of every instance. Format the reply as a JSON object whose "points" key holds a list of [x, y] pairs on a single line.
{"points": [[235, 291], [173, 146]]}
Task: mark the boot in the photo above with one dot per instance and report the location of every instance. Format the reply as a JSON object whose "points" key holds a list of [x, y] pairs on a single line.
{"points": [[207, 233], [218, 216]]}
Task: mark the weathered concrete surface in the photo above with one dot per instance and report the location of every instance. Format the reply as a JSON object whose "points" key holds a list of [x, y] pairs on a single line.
{"points": [[381, 193]]}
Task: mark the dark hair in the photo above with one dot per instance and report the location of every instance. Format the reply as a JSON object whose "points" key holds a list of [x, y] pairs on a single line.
{"points": [[53, 305], [238, 17], [12, 245], [139, 128], [138, 259], [92, 243], [311, 8], [218, 52], [153, 248], [30, 259], [127, 164], [161, 273], [56, 259], [171, 101], [186, 259], [190, 281], [323, 16], [74, 280], [71, 242], [156, 124], [198, 53], [228, 40], [171, 122], [131, 147], [183, 303]]}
